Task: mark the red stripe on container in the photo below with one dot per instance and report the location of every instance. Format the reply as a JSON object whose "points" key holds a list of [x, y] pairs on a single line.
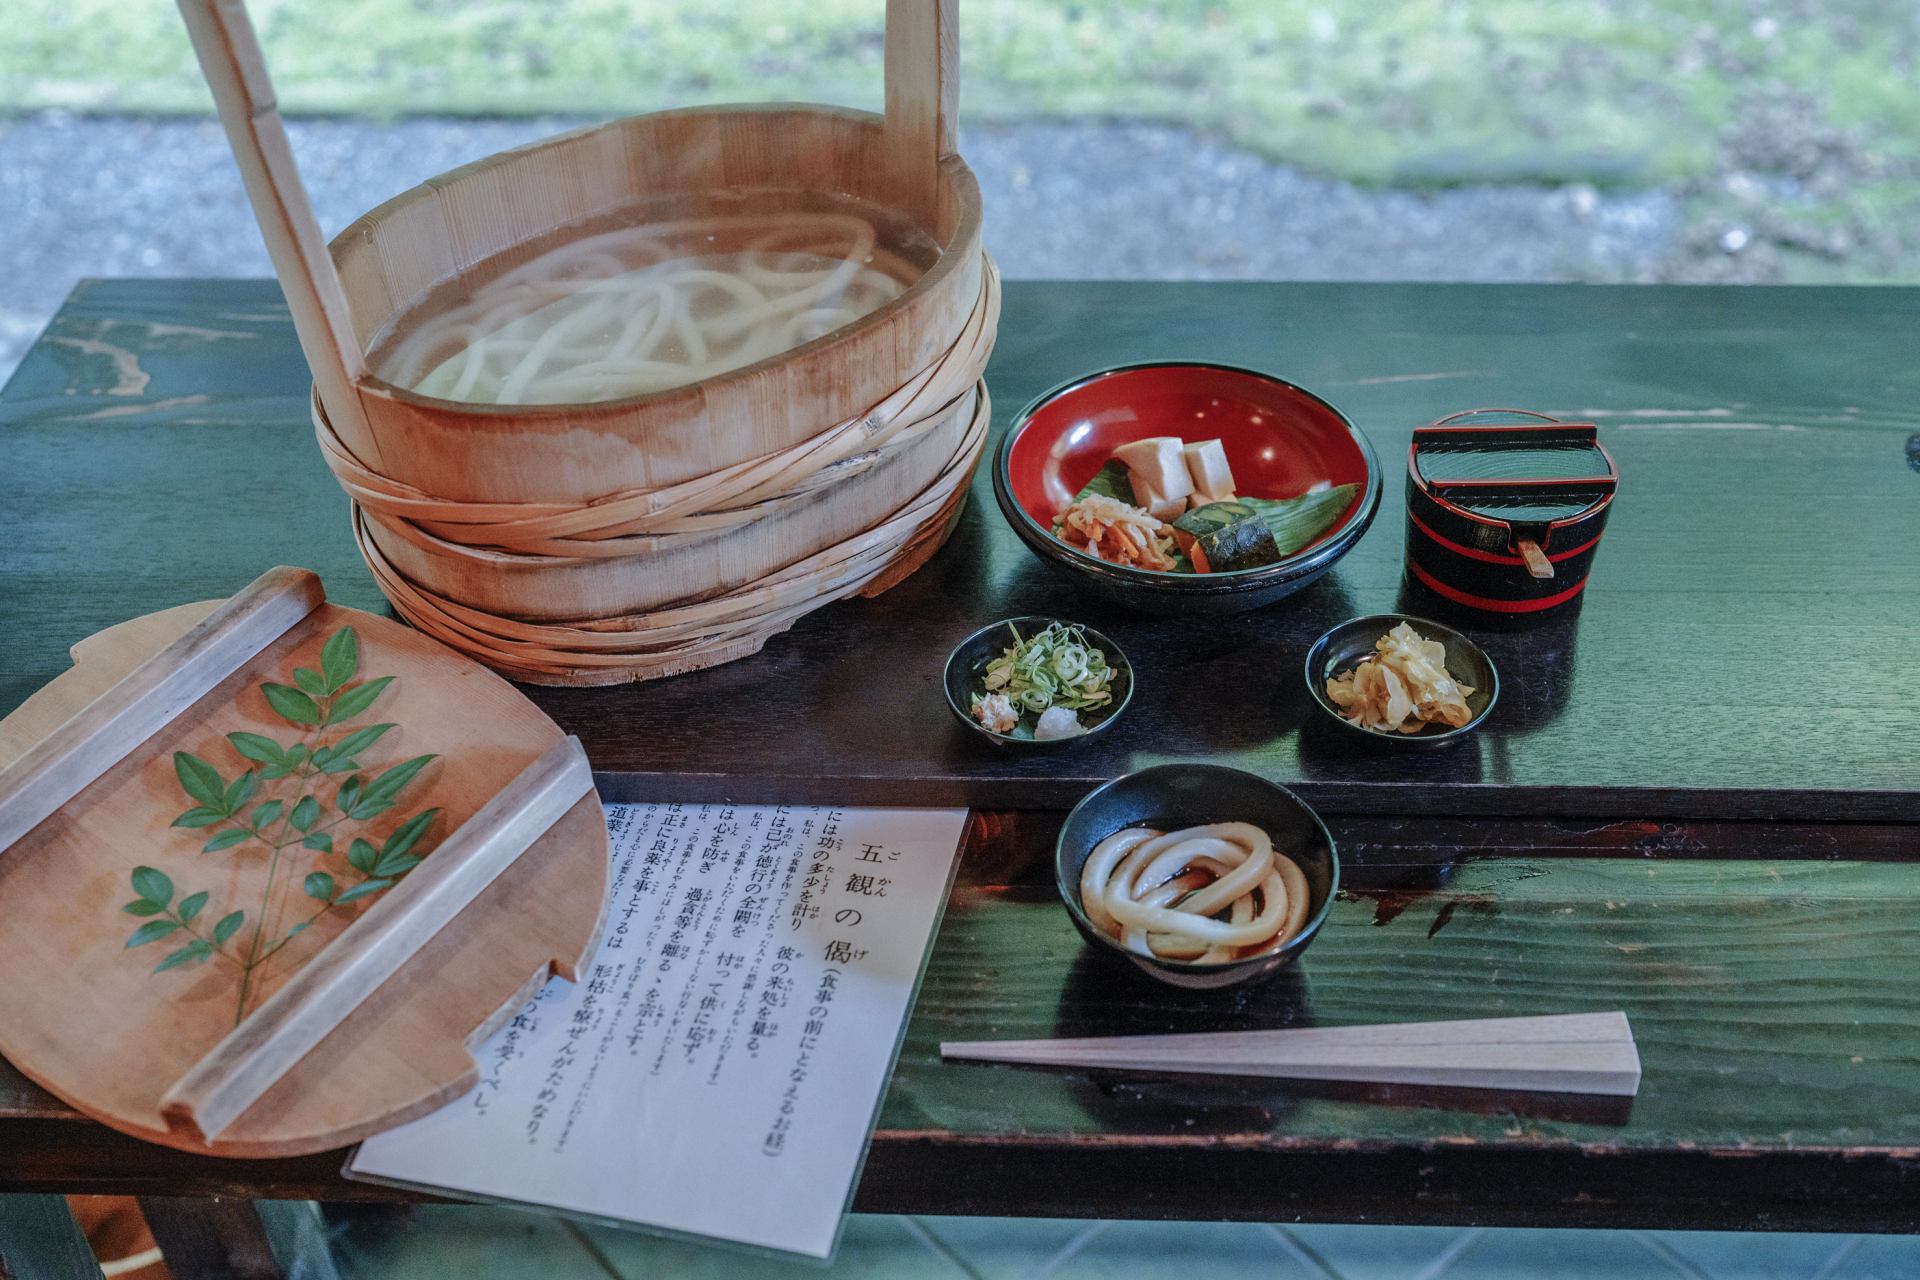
{"points": [[1489, 556], [1491, 605]]}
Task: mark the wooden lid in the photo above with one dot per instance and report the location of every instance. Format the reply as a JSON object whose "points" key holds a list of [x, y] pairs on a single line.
{"points": [[83, 1011], [1513, 465]]}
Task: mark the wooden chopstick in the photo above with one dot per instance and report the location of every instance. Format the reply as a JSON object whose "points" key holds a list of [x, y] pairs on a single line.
{"points": [[1554, 1027], [1563, 1053]]}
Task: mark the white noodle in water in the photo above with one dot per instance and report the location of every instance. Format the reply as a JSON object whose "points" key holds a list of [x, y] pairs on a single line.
{"points": [[641, 309]]}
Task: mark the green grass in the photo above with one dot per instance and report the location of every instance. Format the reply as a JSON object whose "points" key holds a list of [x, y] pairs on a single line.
{"points": [[1410, 93], [1400, 91]]}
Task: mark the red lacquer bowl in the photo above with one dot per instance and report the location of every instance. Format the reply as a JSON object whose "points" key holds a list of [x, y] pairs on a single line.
{"points": [[1280, 441]]}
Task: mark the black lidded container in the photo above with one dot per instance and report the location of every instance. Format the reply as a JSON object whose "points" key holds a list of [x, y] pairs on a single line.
{"points": [[1505, 508]]}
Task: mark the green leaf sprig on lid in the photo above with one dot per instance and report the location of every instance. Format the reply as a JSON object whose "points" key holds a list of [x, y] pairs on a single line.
{"points": [[305, 815]]}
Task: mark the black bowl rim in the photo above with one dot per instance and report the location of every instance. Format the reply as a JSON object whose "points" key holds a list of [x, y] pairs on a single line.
{"points": [[1070, 895], [1420, 624], [1100, 638], [1299, 564]]}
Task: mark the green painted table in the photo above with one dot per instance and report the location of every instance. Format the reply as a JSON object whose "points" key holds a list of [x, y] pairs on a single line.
{"points": [[1697, 803]]}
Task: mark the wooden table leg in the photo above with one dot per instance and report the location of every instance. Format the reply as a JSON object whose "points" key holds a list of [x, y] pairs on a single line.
{"points": [[211, 1239], [39, 1240]]}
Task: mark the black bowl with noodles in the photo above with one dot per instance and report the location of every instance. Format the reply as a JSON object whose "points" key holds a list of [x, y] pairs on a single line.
{"points": [[1171, 796]]}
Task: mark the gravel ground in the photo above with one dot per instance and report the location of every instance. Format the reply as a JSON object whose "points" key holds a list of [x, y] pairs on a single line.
{"points": [[87, 196]]}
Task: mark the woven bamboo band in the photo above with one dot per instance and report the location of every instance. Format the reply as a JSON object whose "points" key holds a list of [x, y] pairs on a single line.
{"points": [[685, 637], [688, 637]]}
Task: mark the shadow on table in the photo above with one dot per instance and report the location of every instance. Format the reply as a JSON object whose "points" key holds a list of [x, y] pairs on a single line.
{"points": [[1332, 752], [1534, 655], [1105, 996]]}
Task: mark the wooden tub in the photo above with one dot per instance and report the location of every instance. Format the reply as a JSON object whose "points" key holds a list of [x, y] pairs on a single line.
{"points": [[523, 516]]}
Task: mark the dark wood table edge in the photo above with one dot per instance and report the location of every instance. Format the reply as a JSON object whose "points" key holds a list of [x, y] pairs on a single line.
{"points": [[1464, 800], [1494, 1184], [1448, 1184]]}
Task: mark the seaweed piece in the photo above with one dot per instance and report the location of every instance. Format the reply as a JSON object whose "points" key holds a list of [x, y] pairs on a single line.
{"points": [[1223, 536]]}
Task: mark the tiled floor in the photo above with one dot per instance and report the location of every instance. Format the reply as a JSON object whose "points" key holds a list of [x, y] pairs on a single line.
{"points": [[448, 1243]]}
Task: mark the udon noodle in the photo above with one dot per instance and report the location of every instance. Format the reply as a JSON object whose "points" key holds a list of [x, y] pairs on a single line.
{"points": [[1163, 893], [645, 308]]}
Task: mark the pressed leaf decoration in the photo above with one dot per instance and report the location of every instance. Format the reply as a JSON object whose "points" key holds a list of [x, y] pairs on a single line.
{"points": [[273, 826]]}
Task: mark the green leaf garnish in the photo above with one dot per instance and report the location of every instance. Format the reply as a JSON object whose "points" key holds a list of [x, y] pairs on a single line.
{"points": [[357, 741], [396, 864], [305, 813], [408, 833], [379, 795], [361, 890], [192, 953], [240, 792], [1295, 522], [153, 885], [152, 931], [317, 698], [1298, 521], [354, 699], [199, 817], [290, 704], [228, 926], [340, 658], [201, 781], [254, 747], [1110, 481]]}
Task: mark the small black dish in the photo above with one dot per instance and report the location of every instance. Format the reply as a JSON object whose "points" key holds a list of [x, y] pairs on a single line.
{"points": [[1170, 796], [967, 667], [1342, 648]]}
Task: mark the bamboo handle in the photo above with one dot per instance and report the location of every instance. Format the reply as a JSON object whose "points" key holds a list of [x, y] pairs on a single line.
{"points": [[923, 97], [102, 733], [1537, 563], [234, 1075], [236, 71]]}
